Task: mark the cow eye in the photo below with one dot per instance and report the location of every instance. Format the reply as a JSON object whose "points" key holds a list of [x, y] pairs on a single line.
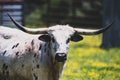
{"points": [[53, 40], [68, 40]]}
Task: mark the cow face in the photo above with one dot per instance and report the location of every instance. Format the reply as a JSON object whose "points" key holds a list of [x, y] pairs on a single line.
{"points": [[60, 37]]}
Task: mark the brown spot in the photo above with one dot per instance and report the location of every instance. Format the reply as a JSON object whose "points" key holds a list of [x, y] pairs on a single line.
{"points": [[4, 67], [40, 47], [6, 36], [4, 52], [17, 44], [35, 55], [29, 49], [25, 49], [35, 77], [32, 42], [17, 53], [45, 49], [22, 65], [37, 65], [7, 72], [13, 47]]}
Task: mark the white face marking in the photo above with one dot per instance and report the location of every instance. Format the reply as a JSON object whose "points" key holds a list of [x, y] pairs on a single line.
{"points": [[60, 37]]}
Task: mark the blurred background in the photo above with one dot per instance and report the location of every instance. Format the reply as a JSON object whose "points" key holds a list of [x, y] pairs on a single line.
{"points": [[37, 13], [86, 60]]}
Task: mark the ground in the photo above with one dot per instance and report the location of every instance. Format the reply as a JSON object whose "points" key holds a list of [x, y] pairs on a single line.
{"points": [[87, 61]]}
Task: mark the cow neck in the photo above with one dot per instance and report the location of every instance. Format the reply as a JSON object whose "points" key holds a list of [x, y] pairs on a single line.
{"points": [[57, 70]]}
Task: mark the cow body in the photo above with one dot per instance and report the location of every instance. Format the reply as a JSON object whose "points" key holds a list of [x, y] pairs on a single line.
{"points": [[24, 57]]}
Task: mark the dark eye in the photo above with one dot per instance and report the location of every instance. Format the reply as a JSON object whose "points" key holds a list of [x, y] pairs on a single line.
{"points": [[53, 40], [68, 40]]}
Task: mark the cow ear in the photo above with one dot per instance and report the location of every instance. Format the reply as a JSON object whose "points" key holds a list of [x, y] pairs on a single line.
{"points": [[45, 38], [76, 37]]}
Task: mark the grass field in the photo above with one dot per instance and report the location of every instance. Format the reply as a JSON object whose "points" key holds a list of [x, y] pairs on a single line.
{"points": [[86, 61]]}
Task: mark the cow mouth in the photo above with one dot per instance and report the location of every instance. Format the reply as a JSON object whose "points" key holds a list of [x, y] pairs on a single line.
{"points": [[61, 59]]}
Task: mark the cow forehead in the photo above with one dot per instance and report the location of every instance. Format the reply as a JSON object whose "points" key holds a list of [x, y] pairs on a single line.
{"points": [[61, 29]]}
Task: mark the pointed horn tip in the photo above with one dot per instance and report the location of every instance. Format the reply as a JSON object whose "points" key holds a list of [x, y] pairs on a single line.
{"points": [[16, 23], [94, 32], [8, 14], [27, 30]]}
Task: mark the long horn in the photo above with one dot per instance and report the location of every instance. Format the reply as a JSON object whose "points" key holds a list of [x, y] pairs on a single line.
{"points": [[28, 30], [92, 32]]}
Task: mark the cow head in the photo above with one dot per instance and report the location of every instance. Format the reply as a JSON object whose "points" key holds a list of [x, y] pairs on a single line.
{"points": [[59, 36]]}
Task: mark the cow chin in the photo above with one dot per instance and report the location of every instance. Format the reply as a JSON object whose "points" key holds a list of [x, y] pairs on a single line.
{"points": [[61, 60]]}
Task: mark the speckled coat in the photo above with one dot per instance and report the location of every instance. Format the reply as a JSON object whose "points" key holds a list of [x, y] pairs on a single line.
{"points": [[24, 57]]}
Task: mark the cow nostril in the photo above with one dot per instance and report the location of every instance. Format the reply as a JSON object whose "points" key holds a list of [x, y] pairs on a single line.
{"points": [[61, 54], [61, 57]]}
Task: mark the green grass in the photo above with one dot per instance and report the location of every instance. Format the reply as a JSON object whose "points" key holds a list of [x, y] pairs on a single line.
{"points": [[86, 61]]}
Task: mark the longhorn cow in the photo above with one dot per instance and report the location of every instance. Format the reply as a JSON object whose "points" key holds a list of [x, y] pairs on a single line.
{"points": [[37, 54]]}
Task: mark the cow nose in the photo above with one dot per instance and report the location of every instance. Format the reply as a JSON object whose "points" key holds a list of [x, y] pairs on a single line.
{"points": [[60, 57]]}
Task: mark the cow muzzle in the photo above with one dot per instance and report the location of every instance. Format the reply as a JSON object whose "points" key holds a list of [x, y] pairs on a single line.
{"points": [[60, 57]]}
